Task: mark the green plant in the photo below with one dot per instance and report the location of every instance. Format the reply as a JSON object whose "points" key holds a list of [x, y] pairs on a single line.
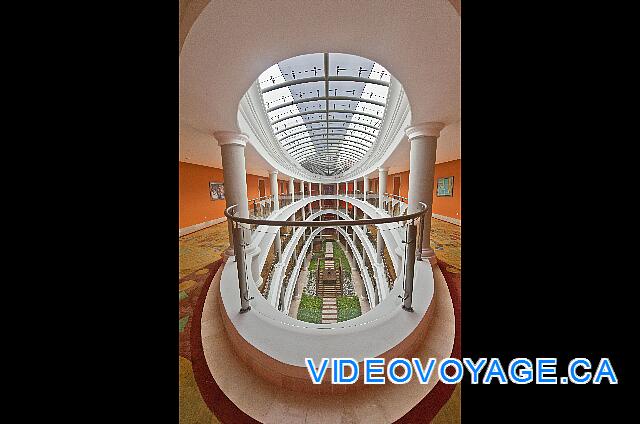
{"points": [[313, 264], [310, 309], [348, 307], [339, 254]]}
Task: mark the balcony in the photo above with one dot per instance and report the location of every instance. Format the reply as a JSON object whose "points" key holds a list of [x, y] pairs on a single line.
{"points": [[279, 230], [263, 323]]}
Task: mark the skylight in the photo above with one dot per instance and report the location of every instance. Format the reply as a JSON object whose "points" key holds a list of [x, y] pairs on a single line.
{"points": [[325, 109]]}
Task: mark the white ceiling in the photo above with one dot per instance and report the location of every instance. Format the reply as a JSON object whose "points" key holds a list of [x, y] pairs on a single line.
{"points": [[232, 42], [202, 149], [448, 149]]}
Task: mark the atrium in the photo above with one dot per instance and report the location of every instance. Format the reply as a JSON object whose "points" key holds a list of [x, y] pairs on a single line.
{"points": [[320, 207]]}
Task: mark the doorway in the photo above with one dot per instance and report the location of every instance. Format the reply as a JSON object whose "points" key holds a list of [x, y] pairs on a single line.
{"points": [[396, 186], [261, 191]]}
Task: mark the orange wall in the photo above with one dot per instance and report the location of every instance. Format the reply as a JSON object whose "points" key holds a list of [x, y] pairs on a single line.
{"points": [[404, 183], [447, 206], [195, 204]]}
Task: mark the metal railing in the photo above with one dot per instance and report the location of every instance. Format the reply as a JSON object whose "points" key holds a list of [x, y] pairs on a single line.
{"points": [[398, 198], [243, 226], [284, 200], [261, 207]]}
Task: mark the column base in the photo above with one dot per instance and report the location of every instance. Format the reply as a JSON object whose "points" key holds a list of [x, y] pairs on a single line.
{"points": [[429, 255]]}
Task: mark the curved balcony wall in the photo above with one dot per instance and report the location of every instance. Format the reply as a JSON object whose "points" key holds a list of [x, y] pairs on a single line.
{"points": [[264, 236], [277, 344], [278, 280], [281, 344]]}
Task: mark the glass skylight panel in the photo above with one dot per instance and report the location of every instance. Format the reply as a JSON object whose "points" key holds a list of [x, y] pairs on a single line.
{"points": [[325, 117]]}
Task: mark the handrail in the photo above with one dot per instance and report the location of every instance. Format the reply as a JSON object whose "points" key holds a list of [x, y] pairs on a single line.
{"points": [[397, 197], [410, 246], [229, 214], [259, 199]]}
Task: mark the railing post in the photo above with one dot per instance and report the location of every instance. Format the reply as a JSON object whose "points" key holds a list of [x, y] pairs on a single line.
{"points": [[240, 264], [419, 258], [410, 260]]}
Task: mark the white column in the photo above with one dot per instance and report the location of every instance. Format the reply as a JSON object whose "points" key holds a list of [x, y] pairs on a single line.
{"points": [[309, 187], [382, 185], [291, 190], [355, 185], [320, 193], [232, 146], [422, 160], [346, 193], [304, 229], [365, 186], [382, 176], [302, 188], [273, 179]]}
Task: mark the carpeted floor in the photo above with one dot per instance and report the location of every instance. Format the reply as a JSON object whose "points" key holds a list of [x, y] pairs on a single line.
{"points": [[202, 248], [198, 254], [445, 241]]}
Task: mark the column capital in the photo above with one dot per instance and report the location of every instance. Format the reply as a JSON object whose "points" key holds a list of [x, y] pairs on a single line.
{"points": [[426, 129], [383, 169], [273, 172], [230, 137]]}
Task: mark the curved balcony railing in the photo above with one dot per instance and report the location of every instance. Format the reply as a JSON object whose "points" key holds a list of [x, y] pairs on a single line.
{"points": [[261, 207], [243, 227], [395, 205]]}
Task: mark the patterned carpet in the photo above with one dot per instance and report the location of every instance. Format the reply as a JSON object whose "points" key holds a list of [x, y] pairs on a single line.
{"points": [[445, 241], [198, 253], [199, 249], [198, 256]]}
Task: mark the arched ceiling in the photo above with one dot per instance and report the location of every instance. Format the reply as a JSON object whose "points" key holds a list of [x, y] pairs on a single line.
{"points": [[325, 109], [232, 42]]}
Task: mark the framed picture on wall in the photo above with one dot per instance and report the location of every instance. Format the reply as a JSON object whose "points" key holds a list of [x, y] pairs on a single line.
{"points": [[445, 186], [216, 190]]}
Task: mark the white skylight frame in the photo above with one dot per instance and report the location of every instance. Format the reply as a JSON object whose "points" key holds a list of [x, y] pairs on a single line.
{"points": [[294, 97]]}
